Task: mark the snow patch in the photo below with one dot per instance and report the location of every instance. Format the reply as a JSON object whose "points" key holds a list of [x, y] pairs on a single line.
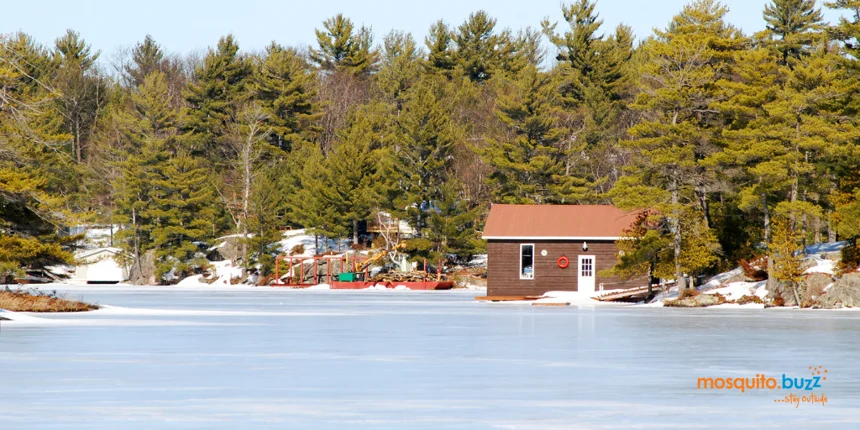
{"points": [[736, 290], [293, 238], [225, 271], [821, 266], [479, 260], [720, 279], [191, 281]]}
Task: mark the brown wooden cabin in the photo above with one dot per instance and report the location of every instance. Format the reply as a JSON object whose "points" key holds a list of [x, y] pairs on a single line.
{"points": [[528, 245]]}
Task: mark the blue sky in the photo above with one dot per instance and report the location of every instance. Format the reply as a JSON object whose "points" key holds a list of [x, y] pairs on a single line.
{"points": [[188, 26]]}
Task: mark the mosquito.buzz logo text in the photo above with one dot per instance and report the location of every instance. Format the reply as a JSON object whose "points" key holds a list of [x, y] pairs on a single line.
{"points": [[816, 380]]}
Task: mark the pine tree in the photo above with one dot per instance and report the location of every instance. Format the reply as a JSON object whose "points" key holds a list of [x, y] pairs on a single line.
{"points": [[148, 129], [525, 51], [182, 207], [792, 27], [343, 48], [580, 46], [268, 213], [424, 139], [212, 98], [354, 163], [646, 247], [313, 194], [34, 182], [452, 224], [440, 51], [677, 90], [478, 46], [82, 90], [400, 66], [286, 89], [595, 80], [147, 57], [848, 28], [787, 264], [531, 167]]}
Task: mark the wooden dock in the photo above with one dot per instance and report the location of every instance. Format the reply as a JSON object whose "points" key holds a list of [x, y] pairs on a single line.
{"points": [[506, 298], [629, 294]]}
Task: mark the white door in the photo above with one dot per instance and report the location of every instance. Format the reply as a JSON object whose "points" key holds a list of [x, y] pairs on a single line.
{"points": [[585, 280]]}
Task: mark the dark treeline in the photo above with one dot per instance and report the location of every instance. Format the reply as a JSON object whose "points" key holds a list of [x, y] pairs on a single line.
{"points": [[733, 140]]}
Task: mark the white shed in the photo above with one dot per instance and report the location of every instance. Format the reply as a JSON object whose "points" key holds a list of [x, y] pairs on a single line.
{"points": [[100, 266]]}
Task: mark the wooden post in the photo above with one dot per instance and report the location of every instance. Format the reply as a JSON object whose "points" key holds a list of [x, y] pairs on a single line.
{"points": [[439, 270], [277, 270], [302, 272]]}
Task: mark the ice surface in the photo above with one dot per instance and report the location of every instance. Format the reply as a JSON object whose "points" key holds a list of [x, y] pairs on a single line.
{"points": [[236, 357]]}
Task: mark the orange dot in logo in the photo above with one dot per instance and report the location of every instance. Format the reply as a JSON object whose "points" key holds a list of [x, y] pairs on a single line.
{"points": [[825, 370], [824, 378]]}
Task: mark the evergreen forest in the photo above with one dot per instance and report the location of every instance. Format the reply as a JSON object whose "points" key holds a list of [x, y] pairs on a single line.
{"points": [[736, 144]]}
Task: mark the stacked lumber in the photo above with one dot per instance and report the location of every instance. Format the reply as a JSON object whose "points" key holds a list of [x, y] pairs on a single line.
{"points": [[414, 276]]}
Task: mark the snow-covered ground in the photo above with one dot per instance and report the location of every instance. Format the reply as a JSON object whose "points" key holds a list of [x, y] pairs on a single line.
{"points": [[479, 260], [293, 238], [821, 257], [821, 266]]}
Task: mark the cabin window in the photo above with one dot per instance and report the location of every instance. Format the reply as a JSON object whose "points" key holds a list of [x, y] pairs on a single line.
{"points": [[527, 261]]}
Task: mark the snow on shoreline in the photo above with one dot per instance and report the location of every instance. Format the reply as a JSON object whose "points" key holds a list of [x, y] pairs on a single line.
{"points": [[293, 238]]}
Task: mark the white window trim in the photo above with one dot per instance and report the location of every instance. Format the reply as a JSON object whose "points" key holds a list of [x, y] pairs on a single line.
{"points": [[533, 262], [593, 268]]}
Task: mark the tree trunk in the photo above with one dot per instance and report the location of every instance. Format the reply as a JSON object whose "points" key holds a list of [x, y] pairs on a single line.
{"points": [[703, 203], [355, 232], [771, 279], [676, 239], [804, 226], [831, 232], [246, 199], [795, 180], [78, 140], [816, 226], [136, 237], [796, 295]]}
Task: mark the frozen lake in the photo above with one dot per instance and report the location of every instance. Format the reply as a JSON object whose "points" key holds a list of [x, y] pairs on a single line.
{"points": [[280, 359]]}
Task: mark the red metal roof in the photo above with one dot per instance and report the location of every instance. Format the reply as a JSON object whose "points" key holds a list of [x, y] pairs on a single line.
{"points": [[557, 222]]}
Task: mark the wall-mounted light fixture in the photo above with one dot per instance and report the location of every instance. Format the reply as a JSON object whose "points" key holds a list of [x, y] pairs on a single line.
{"points": [[584, 246]]}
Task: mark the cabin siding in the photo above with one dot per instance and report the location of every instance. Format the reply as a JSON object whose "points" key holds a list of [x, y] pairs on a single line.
{"points": [[503, 265]]}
